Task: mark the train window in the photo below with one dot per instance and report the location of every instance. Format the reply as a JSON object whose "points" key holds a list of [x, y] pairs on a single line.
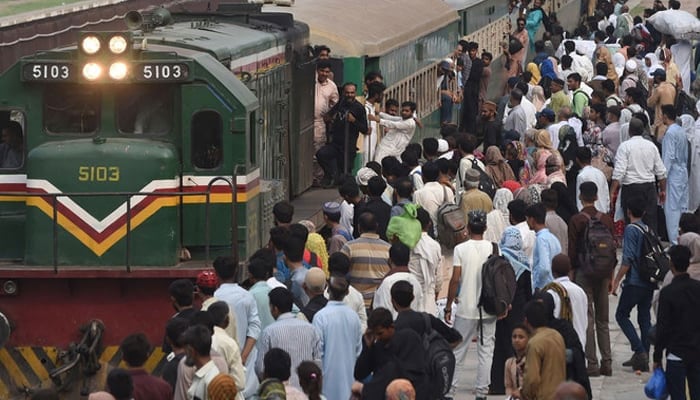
{"points": [[12, 140], [71, 109], [145, 110], [207, 139]]}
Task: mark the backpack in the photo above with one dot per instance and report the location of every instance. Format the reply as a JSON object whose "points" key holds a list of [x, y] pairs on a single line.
{"points": [[498, 284], [597, 257], [685, 104], [451, 223], [441, 360], [653, 261], [272, 389], [566, 311], [486, 183], [514, 45]]}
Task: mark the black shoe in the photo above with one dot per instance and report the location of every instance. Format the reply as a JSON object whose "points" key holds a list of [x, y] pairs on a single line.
{"points": [[641, 362], [629, 362]]}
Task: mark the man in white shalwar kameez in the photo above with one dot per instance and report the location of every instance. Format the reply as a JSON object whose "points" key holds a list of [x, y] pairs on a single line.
{"points": [[675, 157], [681, 54], [693, 135], [399, 134], [368, 145], [425, 264]]}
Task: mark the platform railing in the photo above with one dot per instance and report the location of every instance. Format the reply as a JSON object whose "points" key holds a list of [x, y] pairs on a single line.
{"points": [[128, 195], [490, 36]]}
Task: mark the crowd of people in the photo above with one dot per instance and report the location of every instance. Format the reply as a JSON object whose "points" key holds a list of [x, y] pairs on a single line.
{"points": [[522, 207]]}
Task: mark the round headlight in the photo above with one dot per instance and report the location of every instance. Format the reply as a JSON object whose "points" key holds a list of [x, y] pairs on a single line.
{"points": [[90, 44], [117, 71], [92, 71], [117, 44]]}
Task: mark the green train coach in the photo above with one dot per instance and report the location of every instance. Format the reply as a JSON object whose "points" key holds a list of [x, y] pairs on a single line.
{"points": [[129, 160]]}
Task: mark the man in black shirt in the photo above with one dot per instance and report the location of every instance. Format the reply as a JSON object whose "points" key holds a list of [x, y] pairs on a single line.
{"points": [[470, 103], [678, 328], [374, 204], [347, 120], [401, 298]]}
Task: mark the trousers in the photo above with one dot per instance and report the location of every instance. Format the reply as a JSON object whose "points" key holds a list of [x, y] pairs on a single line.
{"points": [[598, 316], [468, 328]]}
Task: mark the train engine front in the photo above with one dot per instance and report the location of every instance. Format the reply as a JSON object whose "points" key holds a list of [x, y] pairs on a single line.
{"points": [[127, 162]]}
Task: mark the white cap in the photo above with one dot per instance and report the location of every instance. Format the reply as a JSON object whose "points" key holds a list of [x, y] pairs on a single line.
{"points": [[630, 66], [443, 146]]}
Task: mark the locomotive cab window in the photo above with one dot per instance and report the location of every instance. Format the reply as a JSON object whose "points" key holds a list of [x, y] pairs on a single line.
{"points": [[12, 140], [145, 110], [207, 139], [71, 109]]}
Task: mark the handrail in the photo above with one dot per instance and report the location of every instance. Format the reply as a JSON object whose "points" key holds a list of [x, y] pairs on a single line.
{"points": [[234, 220]]}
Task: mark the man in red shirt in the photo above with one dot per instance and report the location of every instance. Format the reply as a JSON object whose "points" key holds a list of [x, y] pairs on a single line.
{"points": [[135, 350]]}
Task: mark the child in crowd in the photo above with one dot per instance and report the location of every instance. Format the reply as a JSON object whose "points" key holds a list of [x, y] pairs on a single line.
{"points": [[515, 365], [310, 380]]}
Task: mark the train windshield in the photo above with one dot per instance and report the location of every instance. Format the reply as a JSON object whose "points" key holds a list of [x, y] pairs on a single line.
{"points": [[145, 109], [71, 109]]}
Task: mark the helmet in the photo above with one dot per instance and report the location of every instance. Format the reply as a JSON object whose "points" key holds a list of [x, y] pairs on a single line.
{"points": [[207, 279]]}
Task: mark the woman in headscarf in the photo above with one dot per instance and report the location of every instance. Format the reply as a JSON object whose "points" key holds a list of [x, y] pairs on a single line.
{"points": [[538, 99], [315, 245], [651, 64], [544, 149], [554, 172], [673, 74], [499, 218], [497, 167], [533, 69], [511, 245]]}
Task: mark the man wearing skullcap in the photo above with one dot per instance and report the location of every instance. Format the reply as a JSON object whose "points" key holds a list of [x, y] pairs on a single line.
{"points": [[339, 236], [489, 130], [473, 198], [469, 320], [222, 387], [314, 286]]}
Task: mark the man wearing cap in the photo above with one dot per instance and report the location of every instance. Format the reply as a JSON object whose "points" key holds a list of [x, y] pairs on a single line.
{"points": [[559, 99], [339, 236], [469, 320], [630, 77], [473, 198], [207, 283], [447, 96], [663, 93]]}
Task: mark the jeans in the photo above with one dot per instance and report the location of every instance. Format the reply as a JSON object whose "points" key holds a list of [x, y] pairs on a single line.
{"points": [[598, 316], [468, 328], [446, 105], [677, 373], [635, 296]]}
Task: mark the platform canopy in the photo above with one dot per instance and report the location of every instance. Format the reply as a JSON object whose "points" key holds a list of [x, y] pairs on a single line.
{"points": [[376, 27]]}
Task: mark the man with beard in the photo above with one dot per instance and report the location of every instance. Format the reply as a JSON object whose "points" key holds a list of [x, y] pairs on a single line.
{"points": [[347, 120]]}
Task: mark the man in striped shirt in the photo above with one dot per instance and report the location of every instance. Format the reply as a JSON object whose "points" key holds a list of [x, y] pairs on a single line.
{"points": [[369, 257], [297, 337]]}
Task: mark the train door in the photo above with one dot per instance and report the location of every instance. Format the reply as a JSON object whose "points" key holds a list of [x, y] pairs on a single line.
{"points": [[273, 90], [211, 147]]}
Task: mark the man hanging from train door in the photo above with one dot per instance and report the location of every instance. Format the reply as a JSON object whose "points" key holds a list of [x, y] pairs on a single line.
{"points": [[347, 120]]}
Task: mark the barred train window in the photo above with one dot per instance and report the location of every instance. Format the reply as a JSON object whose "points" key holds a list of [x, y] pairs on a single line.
{"points": [[145, 109], [71, 109], [207, 139]]}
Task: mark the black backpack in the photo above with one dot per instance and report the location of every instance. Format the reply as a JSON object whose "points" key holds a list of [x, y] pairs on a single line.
{"points": [[441, 361], [653, 261], [497, 284], [514, 45], [486, 184], [597, 257], [685, 104]]}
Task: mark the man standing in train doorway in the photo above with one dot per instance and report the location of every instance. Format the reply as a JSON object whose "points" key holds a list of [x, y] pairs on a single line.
{"points": [[470, 105], [347, 120]]}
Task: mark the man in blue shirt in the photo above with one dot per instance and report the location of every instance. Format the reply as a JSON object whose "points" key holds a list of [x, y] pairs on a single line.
{"points": [[636, 292], [546, 246]]}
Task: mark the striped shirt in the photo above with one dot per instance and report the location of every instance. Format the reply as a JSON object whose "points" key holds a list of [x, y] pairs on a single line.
{"points": [[368, 263], [300, 339]]}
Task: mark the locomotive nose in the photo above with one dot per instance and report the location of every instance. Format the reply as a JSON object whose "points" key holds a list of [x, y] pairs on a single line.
{"points": [[103, 202]]}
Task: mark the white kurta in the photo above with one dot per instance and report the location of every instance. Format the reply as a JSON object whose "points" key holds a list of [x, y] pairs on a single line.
{"points": [[681, 53], [694, 178], [425, 266], [369, 141], [397, 136]]}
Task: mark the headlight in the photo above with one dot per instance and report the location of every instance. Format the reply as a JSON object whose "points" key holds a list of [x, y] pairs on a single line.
{"points": [[117, 71], [90, 44], [117, 44], [92, 71]]}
